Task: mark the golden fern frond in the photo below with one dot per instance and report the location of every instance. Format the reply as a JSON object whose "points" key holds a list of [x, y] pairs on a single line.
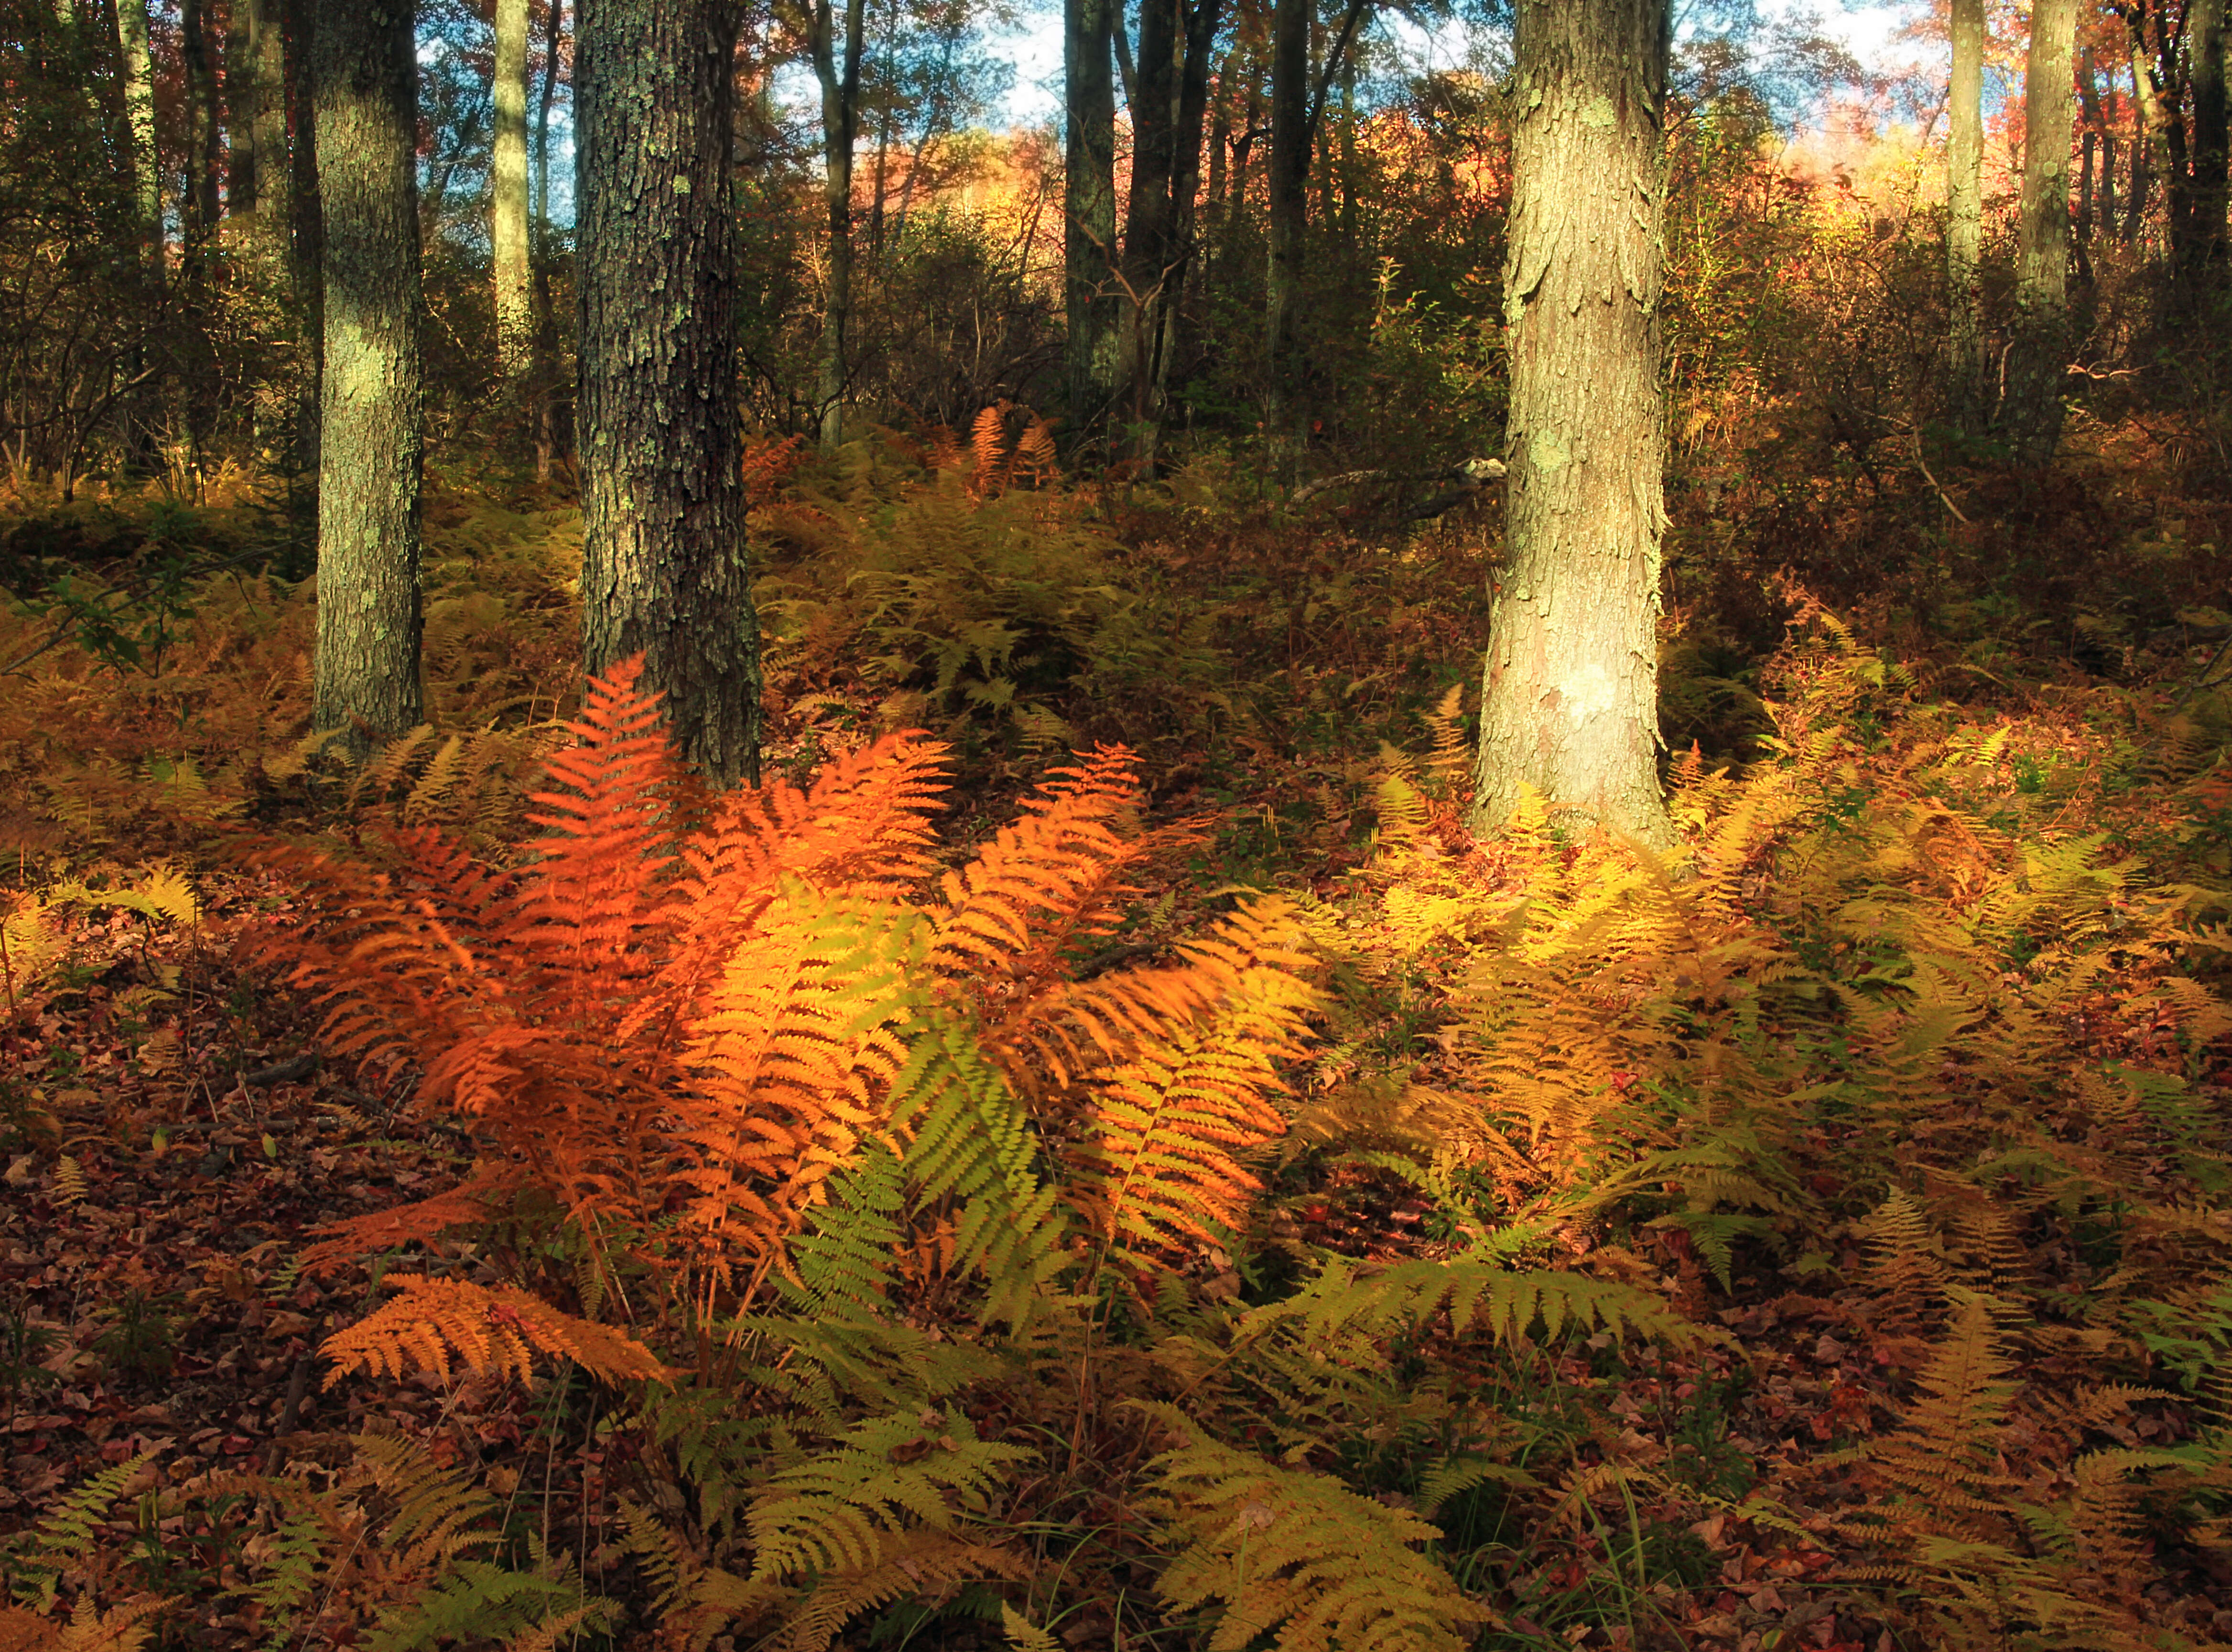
{"points": [[1943, 1457], [122, 1628], [1298, 1556], [493, 1331], [1024, 1636], [794, 1056], [1168, 1130], [1451, 762]]}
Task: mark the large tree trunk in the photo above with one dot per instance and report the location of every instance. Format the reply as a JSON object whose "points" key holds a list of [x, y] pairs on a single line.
{"points": [[365, 78], [1090, 293], [1569, 710], [2205, 29], [840, 116], [2037, 358], [1964, 213], [515, 304], [664, 568]]}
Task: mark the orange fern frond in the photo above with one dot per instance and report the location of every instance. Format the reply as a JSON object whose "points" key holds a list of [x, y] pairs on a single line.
{"points": [[987, 436], [494, 1332], [471, 1202], [795, 1059]]}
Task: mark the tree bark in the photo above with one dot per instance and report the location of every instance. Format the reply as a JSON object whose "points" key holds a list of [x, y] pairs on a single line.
{"points": [[365, 87], [205, 145], [255, 111], [308, 226], [508, 200], [1569, 706], [1288, 184], [1091, 297], [2206, 48], [665, 568], [1964, 213], [546, 320], [2038, 357], [139, 121], [1150, 218], [839, 76]]}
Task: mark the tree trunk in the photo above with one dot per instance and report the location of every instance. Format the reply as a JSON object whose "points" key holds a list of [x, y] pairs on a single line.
{"points": [[2205, 28], [2109, 114], [1289, 184], [2038, 357], [1964, 213], [1569, 709], [140, 119], [546, 320], [1150, 219], [514, 307], [1090, 295], [256, 110], [365, 89], [664, 568], [205, 145], [2088, 110], [841, 116], [309, 261]]}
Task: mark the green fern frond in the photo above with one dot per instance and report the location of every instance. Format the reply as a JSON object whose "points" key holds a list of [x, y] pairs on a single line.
{"points": [[67, 1535], [1298, 1556], [836, 1510]]}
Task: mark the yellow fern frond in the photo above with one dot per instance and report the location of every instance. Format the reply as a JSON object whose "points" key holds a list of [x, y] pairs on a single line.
{"points": [[493, 1331]]}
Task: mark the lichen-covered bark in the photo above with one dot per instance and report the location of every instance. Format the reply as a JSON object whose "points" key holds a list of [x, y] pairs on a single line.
{"points": [[1964, 208], [2038, 356], [364, 74], [1570, 705], [515, 309], [665, 567]]}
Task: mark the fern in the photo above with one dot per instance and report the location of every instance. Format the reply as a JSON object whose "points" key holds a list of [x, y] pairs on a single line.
{"points": [[838, 1511], [494, 1332], [65, 1540], [1298, 1556]]}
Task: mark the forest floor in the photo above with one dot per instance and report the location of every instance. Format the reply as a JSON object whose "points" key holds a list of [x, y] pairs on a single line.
{"points": [[169, 1135]]}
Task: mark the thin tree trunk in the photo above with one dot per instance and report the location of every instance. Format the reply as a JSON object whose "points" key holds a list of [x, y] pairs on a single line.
{"points": [[1569, 708], [1289, 184], [886, 114], [2154, 134], [664, 568], [2088, 109], [258, 194], [1150, 219], [1185, 189], [140, 119], [365, 77], [1089, 210], [204, 148], [840, 114], [309, 261], [508, 200], [1964, 213], [546, 320], [2037, 358], [2205, 34], [2109, 113]]}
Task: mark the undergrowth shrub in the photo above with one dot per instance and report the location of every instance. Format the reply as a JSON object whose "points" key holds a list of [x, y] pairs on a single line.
{"points": [[1888, 1025], [901, 1216]]}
